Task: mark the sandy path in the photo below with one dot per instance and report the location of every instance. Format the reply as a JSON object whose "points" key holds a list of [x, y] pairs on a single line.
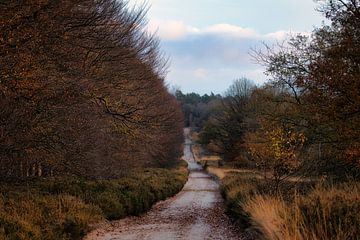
{"points": [[197, 212]]}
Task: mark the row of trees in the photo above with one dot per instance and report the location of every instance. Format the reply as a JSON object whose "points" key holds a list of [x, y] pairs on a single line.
{"points": [[307, 117], [82, 91], [196, 108]]}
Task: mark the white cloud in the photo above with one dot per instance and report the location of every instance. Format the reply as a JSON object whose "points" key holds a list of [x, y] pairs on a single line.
{"points": [[208, 59], [178, 30], [171, 30], [283, 35], [279, 35], [200, 73], [231, 30]]}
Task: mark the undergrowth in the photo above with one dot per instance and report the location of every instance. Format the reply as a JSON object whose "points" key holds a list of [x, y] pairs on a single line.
{"points": [[65, 208]]}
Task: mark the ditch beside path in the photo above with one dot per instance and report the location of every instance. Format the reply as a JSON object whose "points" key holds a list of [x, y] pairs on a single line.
{"points": [[197, 212]]}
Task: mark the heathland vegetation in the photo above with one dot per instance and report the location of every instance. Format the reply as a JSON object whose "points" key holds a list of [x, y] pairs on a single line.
{"points": [[89, 131], [65, 208], [291, 148], [86, 121]]}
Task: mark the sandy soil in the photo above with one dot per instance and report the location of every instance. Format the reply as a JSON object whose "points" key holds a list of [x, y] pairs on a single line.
{"points": [[197, 212]]}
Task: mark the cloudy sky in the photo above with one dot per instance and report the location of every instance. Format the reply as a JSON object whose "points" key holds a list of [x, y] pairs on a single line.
{"points": [[208, 41]]}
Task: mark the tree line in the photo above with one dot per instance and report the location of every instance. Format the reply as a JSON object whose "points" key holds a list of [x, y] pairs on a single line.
{"points": [[82, 91], [196, 108], [305, 119]]}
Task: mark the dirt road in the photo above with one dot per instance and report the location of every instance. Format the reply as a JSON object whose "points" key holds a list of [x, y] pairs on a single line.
{"points": [[197, 212]]}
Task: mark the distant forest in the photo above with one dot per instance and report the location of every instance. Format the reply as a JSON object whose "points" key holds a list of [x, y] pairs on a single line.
{"points": [[196, 108]]}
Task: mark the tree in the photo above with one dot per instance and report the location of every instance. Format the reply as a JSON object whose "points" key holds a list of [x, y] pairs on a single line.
{"points": [[77, 91], [321, 74], [226, 128], [195, 107], [276, 151]]}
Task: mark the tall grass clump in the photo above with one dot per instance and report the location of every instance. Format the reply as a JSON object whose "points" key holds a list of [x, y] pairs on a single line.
{"points": [[319, 213], [330, 213]]}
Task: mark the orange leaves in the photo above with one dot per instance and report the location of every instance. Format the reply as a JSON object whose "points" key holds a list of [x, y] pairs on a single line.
{"points": [[276, 149]]}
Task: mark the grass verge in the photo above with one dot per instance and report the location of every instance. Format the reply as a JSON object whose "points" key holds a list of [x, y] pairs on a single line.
{"points": [[65, 208], [299, 211]]}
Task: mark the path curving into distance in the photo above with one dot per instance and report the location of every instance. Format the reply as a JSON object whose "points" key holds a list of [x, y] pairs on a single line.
{"points": [[196, 213]]}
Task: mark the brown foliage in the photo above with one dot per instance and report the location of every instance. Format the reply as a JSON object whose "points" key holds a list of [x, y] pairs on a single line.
{"points": [[320, 78], [82, 91]]}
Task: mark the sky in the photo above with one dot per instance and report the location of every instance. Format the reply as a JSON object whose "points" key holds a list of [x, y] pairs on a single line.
{"points": [[208, 41]]}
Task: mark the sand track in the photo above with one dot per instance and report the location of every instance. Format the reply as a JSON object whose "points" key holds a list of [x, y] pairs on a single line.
{"points": [[197, 212]]}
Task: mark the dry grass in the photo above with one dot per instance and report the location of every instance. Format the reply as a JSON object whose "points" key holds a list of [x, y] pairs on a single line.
{"points": [[321, 213], [330, 213], [194, 136], [222, 172], [218, 172], [212, 162], [199, 153], [266, 214]]}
